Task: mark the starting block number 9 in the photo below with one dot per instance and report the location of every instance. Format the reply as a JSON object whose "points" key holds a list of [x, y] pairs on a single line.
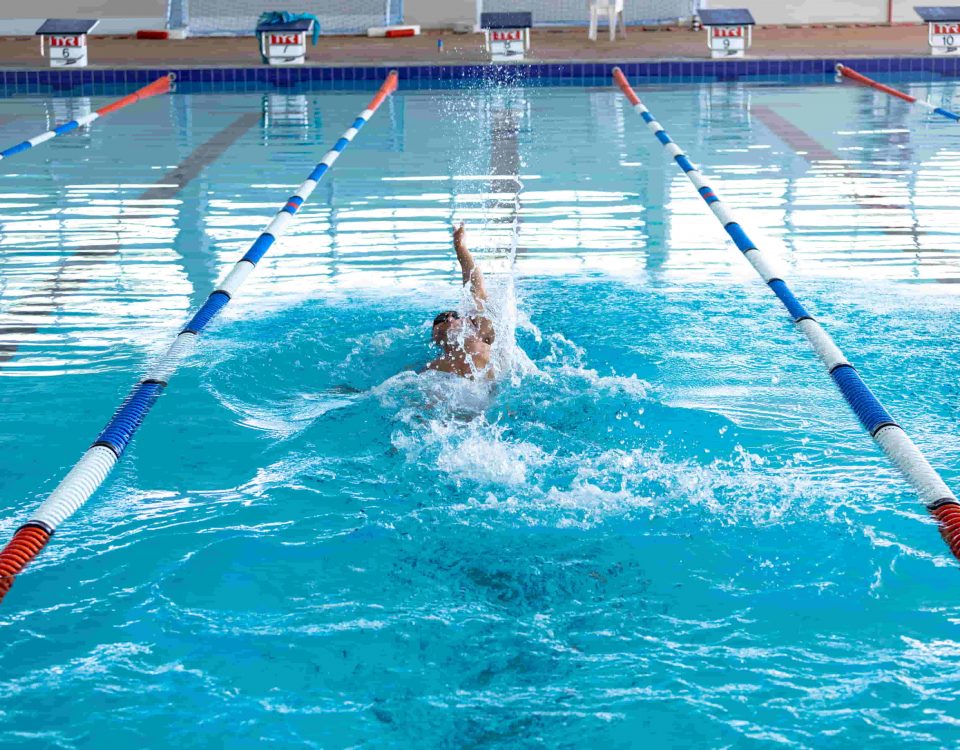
{"points": [[727, 37]]}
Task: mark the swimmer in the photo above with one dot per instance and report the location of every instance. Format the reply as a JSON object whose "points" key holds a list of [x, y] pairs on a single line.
{"points": [[465, 341]]}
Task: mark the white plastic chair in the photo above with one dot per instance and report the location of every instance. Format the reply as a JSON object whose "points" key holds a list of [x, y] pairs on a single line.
{"points": [[613, 10]]}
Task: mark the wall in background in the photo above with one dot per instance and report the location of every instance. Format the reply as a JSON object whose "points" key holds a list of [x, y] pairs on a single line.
{"points": [[434, 14], [822, 11], [87, 8], [118, 16]]}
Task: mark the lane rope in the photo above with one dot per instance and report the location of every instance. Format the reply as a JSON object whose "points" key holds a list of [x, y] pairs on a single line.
{"points": [[89, 473], [845, 72], [159, 86], [876, 420]]}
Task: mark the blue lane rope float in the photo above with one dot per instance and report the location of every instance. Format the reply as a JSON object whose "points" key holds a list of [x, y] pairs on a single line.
{"points": [[876, 420], [92, 469], [845, 72], [159, 86]]}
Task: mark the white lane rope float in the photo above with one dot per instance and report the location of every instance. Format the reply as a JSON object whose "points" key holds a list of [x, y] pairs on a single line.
{"points": [[159, 86], [891, 438], [92, 469], [844, 72]]}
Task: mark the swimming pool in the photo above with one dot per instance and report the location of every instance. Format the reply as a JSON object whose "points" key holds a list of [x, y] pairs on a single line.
{"points": [[664, 528]]}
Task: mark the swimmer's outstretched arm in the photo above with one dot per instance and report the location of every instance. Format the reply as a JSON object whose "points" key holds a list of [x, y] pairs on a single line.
{"points": [[473, 277], [470, 270]]}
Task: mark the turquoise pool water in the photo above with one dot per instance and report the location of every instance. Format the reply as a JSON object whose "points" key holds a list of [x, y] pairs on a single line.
{"points": [[661, 529]]}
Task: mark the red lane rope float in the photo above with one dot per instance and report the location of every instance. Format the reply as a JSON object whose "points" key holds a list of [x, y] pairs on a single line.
{"points": [[853, 75], [860, 78], [160, 86], [948, 515], [25, 545]]}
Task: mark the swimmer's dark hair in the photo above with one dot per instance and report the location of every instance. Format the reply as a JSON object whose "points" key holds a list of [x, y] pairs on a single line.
{"points": [[445, 316]]}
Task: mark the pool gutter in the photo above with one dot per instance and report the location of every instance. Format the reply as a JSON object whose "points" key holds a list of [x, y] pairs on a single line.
{"points": [[40, 80]]}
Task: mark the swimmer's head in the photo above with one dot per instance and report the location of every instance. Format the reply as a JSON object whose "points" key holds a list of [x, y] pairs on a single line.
{"points": [[444, 324]]}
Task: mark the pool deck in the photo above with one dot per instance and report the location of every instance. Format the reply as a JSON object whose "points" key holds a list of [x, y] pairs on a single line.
{"points": [[548, 45]]}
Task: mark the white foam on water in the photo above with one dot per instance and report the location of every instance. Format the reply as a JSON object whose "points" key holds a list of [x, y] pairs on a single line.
{"points": [[418, 397], [584, 491], [475, 450], [585, 505], [284, 419]]}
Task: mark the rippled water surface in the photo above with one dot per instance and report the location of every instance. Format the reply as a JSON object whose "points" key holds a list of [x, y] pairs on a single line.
{"points": [[660, 528]]}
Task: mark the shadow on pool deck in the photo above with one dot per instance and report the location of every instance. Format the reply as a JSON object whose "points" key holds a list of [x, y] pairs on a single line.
{"points": [[548, 45]]}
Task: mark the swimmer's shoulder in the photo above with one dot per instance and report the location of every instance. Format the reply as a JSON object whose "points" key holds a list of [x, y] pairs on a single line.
{"points": [[485, 330]]}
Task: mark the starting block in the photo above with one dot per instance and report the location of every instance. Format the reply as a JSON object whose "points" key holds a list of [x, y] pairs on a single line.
{"points": [[943, 28], [284, 43], [729, 31], [66, 41], [506, 36]]}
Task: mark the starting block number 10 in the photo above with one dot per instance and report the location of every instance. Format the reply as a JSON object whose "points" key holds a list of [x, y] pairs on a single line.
{"points": [[944, 36]]}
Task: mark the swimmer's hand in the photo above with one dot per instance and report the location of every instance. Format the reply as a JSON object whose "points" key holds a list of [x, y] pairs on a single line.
{"points": [[458, 234]]}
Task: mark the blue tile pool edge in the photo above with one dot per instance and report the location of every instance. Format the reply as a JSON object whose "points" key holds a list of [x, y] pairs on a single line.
{"points": [[17, 81]]}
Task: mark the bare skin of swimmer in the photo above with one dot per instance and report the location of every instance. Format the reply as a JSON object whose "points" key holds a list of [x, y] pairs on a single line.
{"points": [[465, 341]]}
